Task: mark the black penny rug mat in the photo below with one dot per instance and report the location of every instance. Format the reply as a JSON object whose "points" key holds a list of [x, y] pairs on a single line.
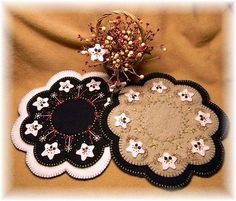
{"points": [[59, 126]]}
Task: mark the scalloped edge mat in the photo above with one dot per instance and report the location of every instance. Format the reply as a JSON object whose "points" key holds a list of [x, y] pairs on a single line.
{"points": [[183, 179], [49, 172]]}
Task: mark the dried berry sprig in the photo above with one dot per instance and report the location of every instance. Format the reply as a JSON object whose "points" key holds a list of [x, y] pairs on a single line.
{"points": [[119, 43]]}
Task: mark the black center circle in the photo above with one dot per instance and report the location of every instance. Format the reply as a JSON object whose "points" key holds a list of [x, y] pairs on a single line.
{"points": [[73, 116]]}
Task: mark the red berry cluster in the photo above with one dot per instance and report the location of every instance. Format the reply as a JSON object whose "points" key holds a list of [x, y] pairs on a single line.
{"points": [[125, 40]]}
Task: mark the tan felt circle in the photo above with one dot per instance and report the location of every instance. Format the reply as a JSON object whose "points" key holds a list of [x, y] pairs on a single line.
{"points": [[164, 121]]}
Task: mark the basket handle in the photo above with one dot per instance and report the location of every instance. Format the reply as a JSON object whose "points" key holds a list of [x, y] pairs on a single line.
{"points": [[120, 12]]}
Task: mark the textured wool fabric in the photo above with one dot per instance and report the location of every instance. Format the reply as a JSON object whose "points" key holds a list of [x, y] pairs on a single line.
{"points": [[43, 41], [166, 130], [59, 126]]}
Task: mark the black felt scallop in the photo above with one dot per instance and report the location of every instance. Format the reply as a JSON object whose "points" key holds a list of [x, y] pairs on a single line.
{"points": [[72, 118], [182, 180]]}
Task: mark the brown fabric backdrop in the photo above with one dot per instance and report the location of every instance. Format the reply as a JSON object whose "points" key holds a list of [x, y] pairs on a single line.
{"points": [[44, 41]]}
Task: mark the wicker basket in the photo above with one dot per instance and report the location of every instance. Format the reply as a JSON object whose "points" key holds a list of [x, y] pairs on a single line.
{"points": [[121, 13]]}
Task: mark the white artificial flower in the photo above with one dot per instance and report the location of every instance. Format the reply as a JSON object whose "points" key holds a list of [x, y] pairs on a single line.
{"points": [[132, 96], [65, 86], [158, 87], [93, 85], [199, 147], [167, 161], [33, 128], [122, 120], [135, 148], [203, 118], [97, 53], [50, 150], [40, 103], [85, 151], [186, 95]]}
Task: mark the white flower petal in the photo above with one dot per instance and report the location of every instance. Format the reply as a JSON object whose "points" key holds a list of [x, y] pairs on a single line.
{"points": [[122, 120], [172, 165], [50, 150], [132, 96], [167, 161], [50, 155], [100, 58], [40, 103], [83, 157], [158, 87], [97, 53], [185, 95], [65, 86], [199, 147], [203, 118], [33, 128], [94, 57], [44, 153], [85, 151], [93, 85], [134, 149]]}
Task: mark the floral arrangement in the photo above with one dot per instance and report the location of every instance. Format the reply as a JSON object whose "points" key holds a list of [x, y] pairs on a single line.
{"points": [[119, 42]]}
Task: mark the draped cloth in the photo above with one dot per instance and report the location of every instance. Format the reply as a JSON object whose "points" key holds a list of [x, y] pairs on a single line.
{"points": [[43, 41]]}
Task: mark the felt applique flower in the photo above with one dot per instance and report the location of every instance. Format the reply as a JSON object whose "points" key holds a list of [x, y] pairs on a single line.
{"points": [[40, 103], [203, 118], [122, 120], [50, 150], [52, 137], [85, 151], [132, 95], [167, 161], [93, 85], [186, 95], [135, 148], [158, 87], [199, 147], [97, 53], [65, 86], [33, 128]]}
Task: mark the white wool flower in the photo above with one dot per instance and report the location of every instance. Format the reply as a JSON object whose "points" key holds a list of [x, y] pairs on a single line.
{"points": [[203, 118], [33, 128], [158, 87], [40, 103], [132, 95], [93, 85], [135, 148], [186, 95], [122, 120], [50, 150], [199, 147], [97, 53], [65, 86], [85, 151], [167, 161]]}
